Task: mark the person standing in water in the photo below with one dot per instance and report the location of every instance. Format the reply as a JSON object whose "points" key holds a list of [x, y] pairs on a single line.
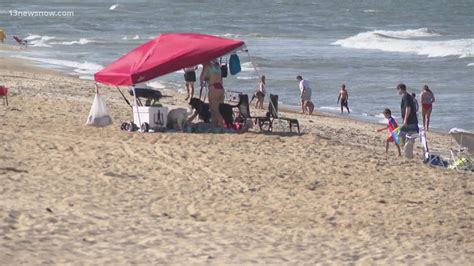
{"points": [[344, 98], [305, 95]]}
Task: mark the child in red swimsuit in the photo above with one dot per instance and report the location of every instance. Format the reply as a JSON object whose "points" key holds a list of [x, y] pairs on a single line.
{"points": [[391, 126]]}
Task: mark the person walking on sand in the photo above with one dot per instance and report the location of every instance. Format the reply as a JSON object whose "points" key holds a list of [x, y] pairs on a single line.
{"points": [[410, 120], [305, 95], [427, 99], [391, 126], [189, 79], [344, 97]]}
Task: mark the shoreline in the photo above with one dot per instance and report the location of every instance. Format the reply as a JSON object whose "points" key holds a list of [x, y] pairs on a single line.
{"points": [[285, 108]]}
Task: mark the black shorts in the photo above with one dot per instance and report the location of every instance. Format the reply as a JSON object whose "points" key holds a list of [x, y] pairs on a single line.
{"points": [[344, 103], [190, 76]]}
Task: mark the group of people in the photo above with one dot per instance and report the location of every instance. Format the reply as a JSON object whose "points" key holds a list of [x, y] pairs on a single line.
{"points": [[211, 74], [409, 109]]}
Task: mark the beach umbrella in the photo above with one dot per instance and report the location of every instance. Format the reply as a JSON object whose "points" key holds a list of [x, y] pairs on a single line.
{"points": [[165, 54]]}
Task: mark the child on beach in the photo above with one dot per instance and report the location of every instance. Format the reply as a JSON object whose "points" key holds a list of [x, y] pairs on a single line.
{"points": [[392, 125], [344, 98]]}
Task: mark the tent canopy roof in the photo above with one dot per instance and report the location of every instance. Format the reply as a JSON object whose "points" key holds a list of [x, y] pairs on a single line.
{"points": [[163, 55]]}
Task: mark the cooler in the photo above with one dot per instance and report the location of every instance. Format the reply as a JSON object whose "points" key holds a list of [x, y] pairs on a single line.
{"points": [[154, 116]]}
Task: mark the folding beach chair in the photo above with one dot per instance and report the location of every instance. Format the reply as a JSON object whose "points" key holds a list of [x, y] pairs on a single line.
{"points": [[463, 156], [464, 138], [272, 115], [20, 41], [4, 94]]}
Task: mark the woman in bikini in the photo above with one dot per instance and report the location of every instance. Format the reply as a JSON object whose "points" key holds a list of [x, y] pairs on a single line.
{"points": [[427, 99], [211, 73]]}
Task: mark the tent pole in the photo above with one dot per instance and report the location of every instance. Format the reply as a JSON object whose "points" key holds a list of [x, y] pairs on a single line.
{"points": [[124, 96], [251, 62], [136, 105]]}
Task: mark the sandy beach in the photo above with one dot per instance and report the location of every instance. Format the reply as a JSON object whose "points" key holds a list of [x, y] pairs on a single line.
{"points": [[82, 195]]}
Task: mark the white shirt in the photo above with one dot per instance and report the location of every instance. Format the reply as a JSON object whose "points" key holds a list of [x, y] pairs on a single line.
{"points": [[304, 85]]}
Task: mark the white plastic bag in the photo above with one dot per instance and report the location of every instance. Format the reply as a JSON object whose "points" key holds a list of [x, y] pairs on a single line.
{"points": [[98, 116]]}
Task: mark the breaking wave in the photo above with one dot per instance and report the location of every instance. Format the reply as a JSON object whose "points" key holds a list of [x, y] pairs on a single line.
{"points": [[409, 41], [78, 67]]}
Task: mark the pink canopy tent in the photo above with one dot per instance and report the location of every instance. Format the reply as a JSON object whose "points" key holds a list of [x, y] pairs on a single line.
{"points": [[163, 55]]}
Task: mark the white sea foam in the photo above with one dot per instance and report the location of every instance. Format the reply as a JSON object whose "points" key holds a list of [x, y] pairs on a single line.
{"points": [[156, 84], [32, 37], [470, 64], [78, 67], [39, 41], [230, 36], [81, 41], [136, 37], [370, 11], [402, 41], [247, 67], [330, 108], [113, 7]]}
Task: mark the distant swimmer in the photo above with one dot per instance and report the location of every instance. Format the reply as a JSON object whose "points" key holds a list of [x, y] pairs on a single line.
{"points": [[344, 98]]}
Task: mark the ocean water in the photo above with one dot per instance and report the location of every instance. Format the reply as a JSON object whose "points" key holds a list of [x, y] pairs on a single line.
{"points": [[370, 45]]}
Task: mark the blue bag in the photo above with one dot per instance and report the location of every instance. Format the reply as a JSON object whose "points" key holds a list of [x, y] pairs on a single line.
{"points": [[234, 64]]}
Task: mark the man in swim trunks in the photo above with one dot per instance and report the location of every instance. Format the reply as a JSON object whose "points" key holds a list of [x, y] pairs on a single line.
{"points": [[344, 97]]}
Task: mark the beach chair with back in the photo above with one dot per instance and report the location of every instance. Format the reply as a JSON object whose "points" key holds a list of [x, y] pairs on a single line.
{"points": [[244, 114], [272, 115], [463, 155]]}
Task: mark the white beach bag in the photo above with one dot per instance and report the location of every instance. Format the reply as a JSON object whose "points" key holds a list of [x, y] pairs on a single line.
{"points": [[98, 116]]}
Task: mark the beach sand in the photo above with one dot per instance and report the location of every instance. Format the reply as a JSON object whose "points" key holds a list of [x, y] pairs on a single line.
{"points": [[76, 194]]}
